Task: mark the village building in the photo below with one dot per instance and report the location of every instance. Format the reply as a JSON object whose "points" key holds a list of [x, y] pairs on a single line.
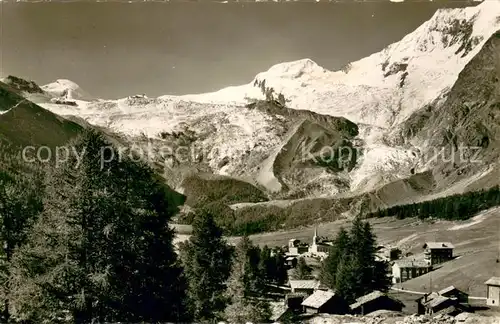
{"points": [[493, 291], [374, 301], [406, 269], [295, 247], [326, 302], [453, 292], [434, 303], [291, 262], [294, 300], [438, 252], [303, 286], [319, 244]]}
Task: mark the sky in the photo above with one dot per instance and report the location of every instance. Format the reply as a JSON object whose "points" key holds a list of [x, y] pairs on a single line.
{"points": [[113, 50]]}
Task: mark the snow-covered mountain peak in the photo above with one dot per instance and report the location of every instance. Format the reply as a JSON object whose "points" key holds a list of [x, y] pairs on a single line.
{"points": [[385, 88], [294, 70], [66, 89], [379, 93]]}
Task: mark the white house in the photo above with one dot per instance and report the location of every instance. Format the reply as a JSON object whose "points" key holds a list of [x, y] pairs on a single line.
{"points": [[406, 269], [493, 291]]}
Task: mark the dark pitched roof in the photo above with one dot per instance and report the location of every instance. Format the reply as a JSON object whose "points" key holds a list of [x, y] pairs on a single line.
{"points": [[437, 301], [433, 300], [449, 289], [370, 297]]}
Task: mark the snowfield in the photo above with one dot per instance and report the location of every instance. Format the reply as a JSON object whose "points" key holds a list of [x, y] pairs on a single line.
{"points": [[378, 93]]}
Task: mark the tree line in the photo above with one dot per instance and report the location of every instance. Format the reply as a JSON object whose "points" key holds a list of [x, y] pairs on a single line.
{"points": [[93, 244], [454, 207], [227, 282]]}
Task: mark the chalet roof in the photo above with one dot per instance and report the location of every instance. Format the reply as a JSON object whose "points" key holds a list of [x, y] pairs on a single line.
{"points": [[449, 289], [433, 300], [318, 299], [409, 263], [304, 284], [433, 303], [438, 245], [493, 281], [370, 297]]}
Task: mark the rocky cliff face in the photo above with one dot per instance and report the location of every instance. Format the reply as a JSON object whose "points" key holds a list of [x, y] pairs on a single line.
{"points": [[465, 126], [299, 131]]}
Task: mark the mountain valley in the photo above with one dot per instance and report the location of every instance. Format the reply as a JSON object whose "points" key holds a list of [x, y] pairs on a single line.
{"points": [[417, 121]]}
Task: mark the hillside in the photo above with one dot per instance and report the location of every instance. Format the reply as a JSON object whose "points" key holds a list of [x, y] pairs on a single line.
{"points": [[382, 131], [23, 123], [476, 244]]}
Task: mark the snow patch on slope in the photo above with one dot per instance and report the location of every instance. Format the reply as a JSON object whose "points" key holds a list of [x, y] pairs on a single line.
{"points": [[66, 89], [382, 162], [377, 92], [387, 87], [224, 132]]}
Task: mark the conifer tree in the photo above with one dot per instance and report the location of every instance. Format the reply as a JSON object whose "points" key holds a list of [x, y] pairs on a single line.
{"points": [[101, 250], [207, 264], [340, 248], [242, 283], [376, 271], [302, 271], [266, 264], [352, 268], [280, 273], [348, 279], [20, 204]]}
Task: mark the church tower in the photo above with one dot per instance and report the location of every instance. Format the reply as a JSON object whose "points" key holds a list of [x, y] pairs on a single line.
{"points": [[315, 237]]}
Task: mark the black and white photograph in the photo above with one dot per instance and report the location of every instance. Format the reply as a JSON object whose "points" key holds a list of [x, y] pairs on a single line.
{"points": [[250, 161]]}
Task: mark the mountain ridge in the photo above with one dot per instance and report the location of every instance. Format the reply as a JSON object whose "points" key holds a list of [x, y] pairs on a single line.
{"points": [[394, 105]]}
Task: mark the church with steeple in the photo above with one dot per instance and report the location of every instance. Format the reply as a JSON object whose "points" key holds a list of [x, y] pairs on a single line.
{"points": [[319, 244]]}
